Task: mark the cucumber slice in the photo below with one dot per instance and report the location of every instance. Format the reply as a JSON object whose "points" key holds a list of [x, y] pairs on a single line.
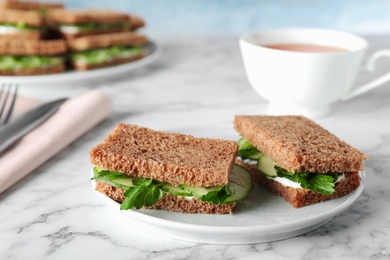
{"points": [[175, 190], [266, 166], [199, 191], [126, 182], [255, 156], [240, 183]]}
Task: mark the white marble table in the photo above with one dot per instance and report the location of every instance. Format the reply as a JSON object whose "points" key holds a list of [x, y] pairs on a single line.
{"points": [[199, 82]]}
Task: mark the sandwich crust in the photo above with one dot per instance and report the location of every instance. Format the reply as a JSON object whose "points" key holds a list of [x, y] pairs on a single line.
{"points": [[69, 36], [105, 40], [30, 35], [29, 5], [31, 18], [113, 62], [136, 22], [33, 71], [18, 47], [296, 143], [303, 197], [166, 157], [171, 202], [66, 16]]}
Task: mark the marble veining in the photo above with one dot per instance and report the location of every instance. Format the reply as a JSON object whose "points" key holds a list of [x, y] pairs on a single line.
{"points": [[199, 82]]}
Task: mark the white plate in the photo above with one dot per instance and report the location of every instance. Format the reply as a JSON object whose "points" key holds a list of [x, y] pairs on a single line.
{"points": [[262, 217], [76, 77]]}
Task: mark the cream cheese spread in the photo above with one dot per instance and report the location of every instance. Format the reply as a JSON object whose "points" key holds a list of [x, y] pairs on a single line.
{"points": [[293, 184], [9, 30], [186, 197], [68, 29]]}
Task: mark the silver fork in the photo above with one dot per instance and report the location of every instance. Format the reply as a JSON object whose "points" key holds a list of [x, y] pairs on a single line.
{"points": [[8, 94]]}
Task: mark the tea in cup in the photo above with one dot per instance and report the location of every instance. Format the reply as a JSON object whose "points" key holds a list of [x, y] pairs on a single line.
{"points": [[303, 71]]}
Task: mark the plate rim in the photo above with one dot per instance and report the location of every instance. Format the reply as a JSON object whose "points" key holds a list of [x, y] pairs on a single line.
{"points": [[278, 228]]}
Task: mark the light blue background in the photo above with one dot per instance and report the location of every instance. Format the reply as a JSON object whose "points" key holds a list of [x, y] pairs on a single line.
{"points": [[236, 17]]}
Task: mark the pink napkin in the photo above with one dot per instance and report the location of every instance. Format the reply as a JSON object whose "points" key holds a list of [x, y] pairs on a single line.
{"points": [[74, 118]]}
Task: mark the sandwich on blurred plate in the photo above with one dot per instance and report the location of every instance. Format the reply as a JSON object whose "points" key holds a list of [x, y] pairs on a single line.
{"points": [[75, 23], [20, 58], [97, 51]]}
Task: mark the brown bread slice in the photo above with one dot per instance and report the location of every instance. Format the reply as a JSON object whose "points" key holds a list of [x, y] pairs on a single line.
{"points": [[69, 36], [171, 202], [113, 62], [29, 5], [167, 157], [30, 35], [105, 40], [303, 197], [296, 143], [136, 22], [31, 18], [42, 47], [67, 16], [33, 71]]}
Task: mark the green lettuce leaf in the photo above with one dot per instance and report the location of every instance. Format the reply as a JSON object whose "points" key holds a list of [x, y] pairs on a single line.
{"points": [[321, 183], [217, 196], [8, 62], [246, 150], [95, 56], [109, 177], [20, 25], [145, 192]]}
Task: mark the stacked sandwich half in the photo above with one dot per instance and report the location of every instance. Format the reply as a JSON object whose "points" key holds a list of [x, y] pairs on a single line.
{"points": [[141, 167], [94, 38], [23, 48], [297, 159]]}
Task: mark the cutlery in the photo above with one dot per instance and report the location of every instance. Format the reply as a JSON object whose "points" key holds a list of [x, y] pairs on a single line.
{"points": [[7, 102], [26, 122]]}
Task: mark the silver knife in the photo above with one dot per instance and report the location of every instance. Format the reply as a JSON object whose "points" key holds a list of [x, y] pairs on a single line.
{"points": [[26, 122]]}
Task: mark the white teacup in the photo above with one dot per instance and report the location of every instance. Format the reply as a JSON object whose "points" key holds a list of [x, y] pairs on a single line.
{"points": [[306, 82]]}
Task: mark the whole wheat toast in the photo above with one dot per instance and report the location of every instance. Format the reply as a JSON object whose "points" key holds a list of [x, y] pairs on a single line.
{"points": [[67, 16], [30, 35], [105, 40], [41, 47], [29, 5], [31, 18]]}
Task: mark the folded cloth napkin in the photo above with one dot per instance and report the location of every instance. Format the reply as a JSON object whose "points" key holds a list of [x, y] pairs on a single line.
{"points": [[74, 118]]}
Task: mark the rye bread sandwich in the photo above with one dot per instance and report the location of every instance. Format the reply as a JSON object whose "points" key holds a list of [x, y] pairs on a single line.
{"points": [[21, 58], [21, 25], [97, 51], [140, 167], [295, 158], [76, 23]]}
